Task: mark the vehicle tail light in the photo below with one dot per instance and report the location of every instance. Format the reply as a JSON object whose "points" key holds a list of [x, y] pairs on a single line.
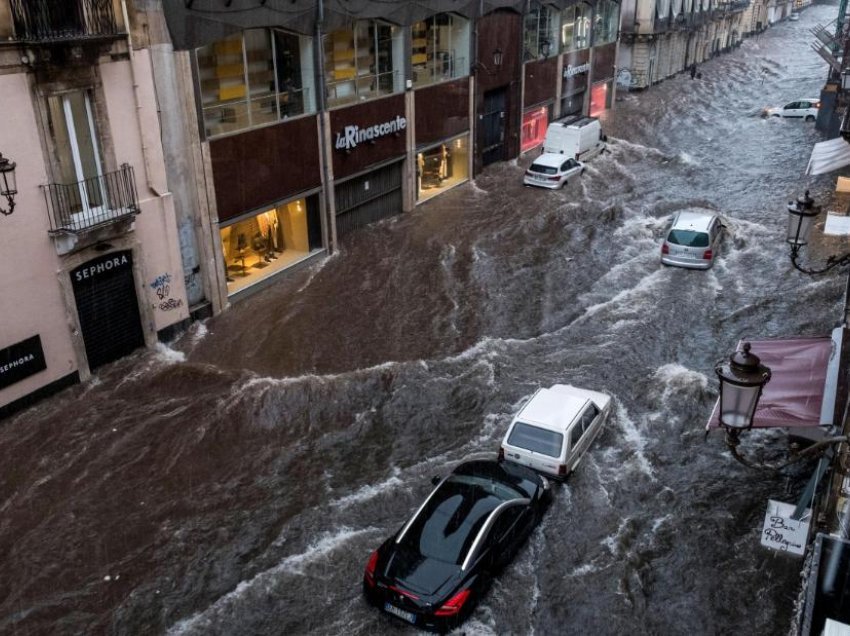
{"points": [[555, 178], [501, 454], [453, 606], [562, 470], [665, 249], [707, 254], [369, 574]]}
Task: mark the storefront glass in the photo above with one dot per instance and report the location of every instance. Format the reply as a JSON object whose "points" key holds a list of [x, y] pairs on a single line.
{"points": [[605, 22], [439, 48], [253, 78], [600, 98], [575, 28], [268, 242], [534, 124], [441, 167], [363, 62], [540, 33]]}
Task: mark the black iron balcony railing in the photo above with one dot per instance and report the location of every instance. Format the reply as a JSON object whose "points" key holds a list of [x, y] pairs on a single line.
{"points": [[47, 21], [77, 207]]}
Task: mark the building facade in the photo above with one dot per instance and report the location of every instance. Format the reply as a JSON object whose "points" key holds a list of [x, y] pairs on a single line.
{"points": [[168, 165], [90, 257]]}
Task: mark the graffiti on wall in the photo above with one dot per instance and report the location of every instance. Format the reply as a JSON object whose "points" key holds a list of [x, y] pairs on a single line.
{"points": [[162, 287]]}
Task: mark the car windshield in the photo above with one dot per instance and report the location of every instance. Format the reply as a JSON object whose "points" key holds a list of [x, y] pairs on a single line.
{"points": [[688, 238], [446, 528], [536, 167], [534, 438]]}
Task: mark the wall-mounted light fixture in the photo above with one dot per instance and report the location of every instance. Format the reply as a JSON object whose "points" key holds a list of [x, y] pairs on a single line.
{"points": [[497, 58], [7, 184], [801, 218], [545, 48]]}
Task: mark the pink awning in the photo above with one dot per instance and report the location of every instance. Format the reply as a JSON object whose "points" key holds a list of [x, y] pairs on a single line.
{"points": [[794, 395]]}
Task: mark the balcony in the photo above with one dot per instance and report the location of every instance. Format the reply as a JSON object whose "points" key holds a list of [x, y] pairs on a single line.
{"points": [[89, 205], [63, 21]]}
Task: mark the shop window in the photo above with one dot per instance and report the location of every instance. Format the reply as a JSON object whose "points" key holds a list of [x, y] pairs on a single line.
{"points": [[575, 28], [540, 33], [270, 241], [606, 21], [534, 124], [253, 78], [600, 99], [439, 49], [363, 62], [441, 167]]}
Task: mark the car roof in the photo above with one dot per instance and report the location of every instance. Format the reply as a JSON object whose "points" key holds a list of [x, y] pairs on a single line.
{"points": [[697, 220], [552, 409], [550, 160]]}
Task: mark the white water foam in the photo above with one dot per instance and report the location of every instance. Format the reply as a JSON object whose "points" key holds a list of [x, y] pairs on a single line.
{"points": [[166, 354], [634, 439], [370, 491], [292, 565]]}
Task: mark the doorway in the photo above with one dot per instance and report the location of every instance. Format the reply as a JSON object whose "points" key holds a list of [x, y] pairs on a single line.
{"points": [[493, 126]]}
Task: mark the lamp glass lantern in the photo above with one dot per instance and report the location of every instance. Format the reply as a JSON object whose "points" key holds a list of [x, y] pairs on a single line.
{"points": [[845, 79], [801, 218], [497, 58], [545, 48], [8, 186], [742, 379]]}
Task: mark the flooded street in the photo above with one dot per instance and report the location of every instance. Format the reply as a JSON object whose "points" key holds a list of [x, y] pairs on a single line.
{"points": [[236, 481]]}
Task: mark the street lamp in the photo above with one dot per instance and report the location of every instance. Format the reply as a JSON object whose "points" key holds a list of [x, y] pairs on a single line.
{"points": [[7, 183], [801, 217], [845, 79], [742, 378], [497, 57], [545, 47]]}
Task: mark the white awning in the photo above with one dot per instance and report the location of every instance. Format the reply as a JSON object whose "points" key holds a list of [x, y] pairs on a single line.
{"points": [[828, 156]]}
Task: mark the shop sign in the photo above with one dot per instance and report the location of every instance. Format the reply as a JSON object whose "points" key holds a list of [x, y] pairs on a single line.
{"points": [[353, 135], [93, 269], [782, 533], [571, 70], [21, 360]]}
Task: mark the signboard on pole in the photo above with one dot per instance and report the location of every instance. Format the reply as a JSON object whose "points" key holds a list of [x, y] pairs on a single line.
{"points": [[782, 533]]}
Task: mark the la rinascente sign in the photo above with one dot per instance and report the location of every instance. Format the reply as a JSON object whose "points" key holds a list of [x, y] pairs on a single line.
{"points": [[21, 360], [351, 136]]}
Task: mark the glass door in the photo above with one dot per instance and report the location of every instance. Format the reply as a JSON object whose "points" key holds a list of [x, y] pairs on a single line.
{"points": [[77, 149]]}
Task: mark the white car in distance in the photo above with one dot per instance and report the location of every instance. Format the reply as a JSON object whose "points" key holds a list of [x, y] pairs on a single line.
{"points": [[806, 109], [552, 171], [555, 428]]}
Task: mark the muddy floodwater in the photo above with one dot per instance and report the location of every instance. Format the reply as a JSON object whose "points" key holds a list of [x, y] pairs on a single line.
{"points": [[236, 480]]}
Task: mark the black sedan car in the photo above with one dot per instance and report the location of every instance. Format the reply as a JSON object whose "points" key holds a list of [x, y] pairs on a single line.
{"points": [[435, 568]]}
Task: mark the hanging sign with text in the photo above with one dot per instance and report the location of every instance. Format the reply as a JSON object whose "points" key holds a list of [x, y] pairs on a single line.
{"points": [[21, 360], [782, 533]]}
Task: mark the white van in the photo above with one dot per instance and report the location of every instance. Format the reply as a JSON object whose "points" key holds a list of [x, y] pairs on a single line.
{"points": [[555, 428], [578, 137]]}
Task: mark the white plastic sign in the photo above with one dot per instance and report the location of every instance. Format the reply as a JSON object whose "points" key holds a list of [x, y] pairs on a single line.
{"points": [[782, 533]]}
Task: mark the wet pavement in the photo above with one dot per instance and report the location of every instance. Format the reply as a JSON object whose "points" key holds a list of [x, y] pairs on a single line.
{"points": [[236, 481]]}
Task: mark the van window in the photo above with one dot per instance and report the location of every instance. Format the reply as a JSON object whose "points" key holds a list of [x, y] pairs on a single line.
{"points": [[575, 434], [588, 416], [536, 439], [688, 238]]}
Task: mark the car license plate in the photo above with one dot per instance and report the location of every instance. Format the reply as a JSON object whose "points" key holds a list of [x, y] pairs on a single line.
{"points": [[410, 617], [540, 177]]}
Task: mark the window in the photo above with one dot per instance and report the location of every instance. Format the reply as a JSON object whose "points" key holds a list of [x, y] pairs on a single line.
{"points": [[575, 435], [606, 21], [540, 33], [688, 238], [534, 125], [536, 439], [256, 77], [77, 148], [439, 49], [363, 63], [588, 416], [575, 29]]}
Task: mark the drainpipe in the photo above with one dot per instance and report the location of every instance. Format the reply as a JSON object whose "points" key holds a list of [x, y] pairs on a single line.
{"points": [[325, 156], [145, 151]]}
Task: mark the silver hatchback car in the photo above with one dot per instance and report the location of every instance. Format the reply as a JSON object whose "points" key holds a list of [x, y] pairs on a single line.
{"points": [[692, 240]]}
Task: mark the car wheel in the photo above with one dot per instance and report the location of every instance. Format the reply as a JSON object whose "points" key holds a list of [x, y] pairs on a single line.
{"points": [[810, 117], [774, 115], [581, 173]]}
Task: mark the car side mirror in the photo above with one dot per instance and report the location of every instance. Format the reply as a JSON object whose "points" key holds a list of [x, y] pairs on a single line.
{"points": [[436, 479]]}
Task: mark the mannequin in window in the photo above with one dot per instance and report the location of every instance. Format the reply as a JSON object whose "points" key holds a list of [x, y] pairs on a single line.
{"points": [[444, 162]]}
